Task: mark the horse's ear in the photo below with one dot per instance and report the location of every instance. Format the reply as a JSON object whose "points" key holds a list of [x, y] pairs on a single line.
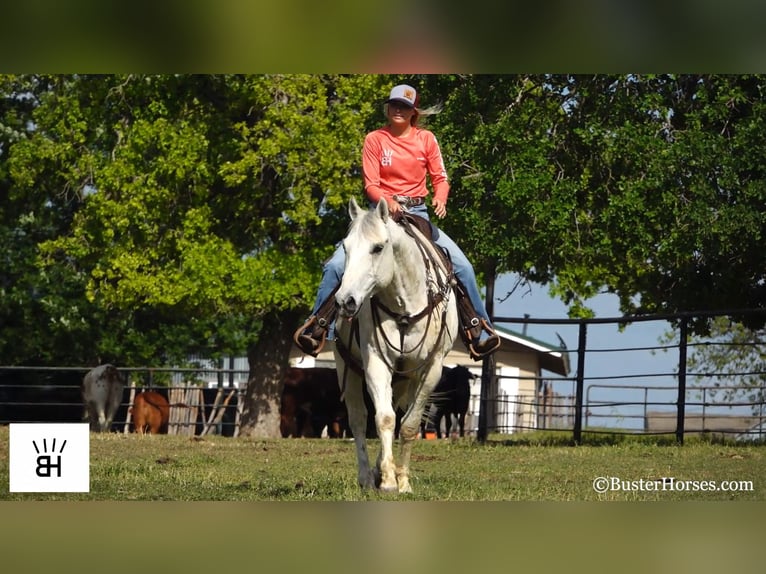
{"points": [[382, 209], [353, 209]]}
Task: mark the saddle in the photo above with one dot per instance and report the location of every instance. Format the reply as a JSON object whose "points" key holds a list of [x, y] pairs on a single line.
{"points": [[405, 218], [471, 325], [426, 229]]}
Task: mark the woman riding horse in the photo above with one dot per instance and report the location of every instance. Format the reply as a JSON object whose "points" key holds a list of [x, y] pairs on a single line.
{"points": [[400, 323], [396, 159]]}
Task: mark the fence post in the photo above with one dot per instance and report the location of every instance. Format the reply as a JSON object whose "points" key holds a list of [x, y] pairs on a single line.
{"points": [[487, 370], [680, 421], [581, 342], [488, 364]]}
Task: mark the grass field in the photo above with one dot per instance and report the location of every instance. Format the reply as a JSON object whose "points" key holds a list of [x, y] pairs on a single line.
{"points": [[531, 467]]}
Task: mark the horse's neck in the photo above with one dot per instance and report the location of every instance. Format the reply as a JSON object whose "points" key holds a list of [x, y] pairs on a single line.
{"points": [[408, 293]]}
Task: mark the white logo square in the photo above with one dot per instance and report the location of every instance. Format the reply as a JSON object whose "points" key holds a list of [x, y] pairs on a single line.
{"points": [[49, 457]]}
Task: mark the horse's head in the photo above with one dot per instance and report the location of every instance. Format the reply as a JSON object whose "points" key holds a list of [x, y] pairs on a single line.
{"points": [[369, 257]]}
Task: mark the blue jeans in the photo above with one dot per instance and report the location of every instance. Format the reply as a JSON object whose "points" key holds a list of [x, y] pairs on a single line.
{"points": [[332, 271]]}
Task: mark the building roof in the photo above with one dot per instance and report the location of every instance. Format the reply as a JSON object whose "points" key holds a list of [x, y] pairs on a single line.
{"points": [[552, 358]]}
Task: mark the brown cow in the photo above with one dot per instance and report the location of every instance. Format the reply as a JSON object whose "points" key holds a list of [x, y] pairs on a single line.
{"points": [[310, 402], [151, 412], [102, 394]]}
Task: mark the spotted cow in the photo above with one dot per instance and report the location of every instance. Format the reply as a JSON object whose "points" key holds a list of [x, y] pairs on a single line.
{"points": [[102, 393]]}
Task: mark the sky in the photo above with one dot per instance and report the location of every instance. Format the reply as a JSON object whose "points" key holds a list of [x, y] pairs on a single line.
{"points": [[609, 373]]}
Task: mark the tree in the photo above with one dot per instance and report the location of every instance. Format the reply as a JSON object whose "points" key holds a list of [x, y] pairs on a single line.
{"points": [[149, 217], [203, 207], [649, 187], [44, 314]]}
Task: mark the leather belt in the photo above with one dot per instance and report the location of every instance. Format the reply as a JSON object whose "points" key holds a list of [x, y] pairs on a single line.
{"points": [[405, 201]]}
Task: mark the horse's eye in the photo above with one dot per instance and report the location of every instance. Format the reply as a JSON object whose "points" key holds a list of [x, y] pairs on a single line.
{"points": [[377, 248]]}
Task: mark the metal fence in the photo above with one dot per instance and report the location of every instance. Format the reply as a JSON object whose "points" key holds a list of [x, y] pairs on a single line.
{"points": [[633, 403], [615, 402], [203, 400]]}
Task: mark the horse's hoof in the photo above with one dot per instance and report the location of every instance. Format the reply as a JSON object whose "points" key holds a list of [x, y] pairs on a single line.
{"points": [[403, 481], [405, 489], [367, 481]]}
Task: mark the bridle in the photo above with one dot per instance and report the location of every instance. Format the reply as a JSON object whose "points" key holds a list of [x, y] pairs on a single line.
{"points": [[432, 259]]}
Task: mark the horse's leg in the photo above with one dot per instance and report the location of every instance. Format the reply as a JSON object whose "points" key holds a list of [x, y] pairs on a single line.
{"points": [[378, 379], [90, 409], [407, 434], [461, 423], [357, 422], [411, 423]]}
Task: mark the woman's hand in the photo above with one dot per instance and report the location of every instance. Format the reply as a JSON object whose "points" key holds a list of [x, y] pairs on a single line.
{"points": [[393, 207], [440, 208]]}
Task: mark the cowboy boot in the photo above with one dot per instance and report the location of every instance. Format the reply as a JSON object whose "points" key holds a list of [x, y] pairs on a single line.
{"points": [[311, 336], [485, 344], [478, 335]]}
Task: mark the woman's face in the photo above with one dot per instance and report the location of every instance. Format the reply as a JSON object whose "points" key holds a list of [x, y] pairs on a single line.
{"points": [[400, 114]]}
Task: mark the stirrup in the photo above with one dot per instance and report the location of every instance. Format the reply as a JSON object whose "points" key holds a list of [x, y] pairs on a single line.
{"points": [[479, 349], [310, 337]]}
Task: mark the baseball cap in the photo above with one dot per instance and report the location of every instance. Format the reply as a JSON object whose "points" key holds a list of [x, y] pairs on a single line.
{"points": [[405, 94]]}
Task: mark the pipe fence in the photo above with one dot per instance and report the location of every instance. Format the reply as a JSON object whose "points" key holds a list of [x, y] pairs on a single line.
{"points": [[679, 401], [690, 404]]}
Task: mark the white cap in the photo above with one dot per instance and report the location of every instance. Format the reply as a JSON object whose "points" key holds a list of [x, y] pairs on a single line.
{"points": [[405, 94]]}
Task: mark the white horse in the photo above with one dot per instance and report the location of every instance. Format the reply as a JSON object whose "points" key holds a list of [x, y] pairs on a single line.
{"points": [[397, 319]]}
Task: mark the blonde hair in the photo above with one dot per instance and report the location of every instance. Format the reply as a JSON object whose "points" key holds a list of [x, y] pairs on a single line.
{"points": [[424, 113]]}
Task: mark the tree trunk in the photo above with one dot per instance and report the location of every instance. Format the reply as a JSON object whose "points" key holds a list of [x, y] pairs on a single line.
{"points": [[268, 360]]}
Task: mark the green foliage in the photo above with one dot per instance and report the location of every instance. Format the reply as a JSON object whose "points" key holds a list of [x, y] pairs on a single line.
{"points": [[213, 198], [651, 188], [145, 216]]}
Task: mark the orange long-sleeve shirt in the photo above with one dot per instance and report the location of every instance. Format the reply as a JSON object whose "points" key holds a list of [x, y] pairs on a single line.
{"points": [[399, 165]]}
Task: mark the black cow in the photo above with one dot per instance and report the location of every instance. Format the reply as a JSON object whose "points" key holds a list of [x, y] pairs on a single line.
{"points": [[450, 397], [311, 402]]}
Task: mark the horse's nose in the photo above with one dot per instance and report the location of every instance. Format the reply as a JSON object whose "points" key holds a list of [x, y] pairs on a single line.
{"points": [[348, 306]]}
